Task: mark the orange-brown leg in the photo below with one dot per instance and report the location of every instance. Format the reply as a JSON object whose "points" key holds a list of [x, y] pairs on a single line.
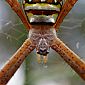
{"points": [[18, 10], [50, 1], [64, 11], [14, 63], [59, 0], [70, 57], [37, 1]]}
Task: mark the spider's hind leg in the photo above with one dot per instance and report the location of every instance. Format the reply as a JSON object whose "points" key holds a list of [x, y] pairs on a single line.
{"points": [[68, 5], [14, 4]]}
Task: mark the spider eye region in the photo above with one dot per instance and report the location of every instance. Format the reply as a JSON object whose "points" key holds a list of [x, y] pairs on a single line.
{"points": [[42, 47], [43, 52]]}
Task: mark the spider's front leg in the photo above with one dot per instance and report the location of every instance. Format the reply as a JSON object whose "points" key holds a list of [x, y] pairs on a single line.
{"points": [[68, 5], [69, 56], [14, 63], [18, 10]]}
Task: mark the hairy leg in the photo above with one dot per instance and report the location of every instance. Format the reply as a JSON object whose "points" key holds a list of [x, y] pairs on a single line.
{"points": [[68, 5], [69, 56], [14, 4], [50, 1], [15, 61]]}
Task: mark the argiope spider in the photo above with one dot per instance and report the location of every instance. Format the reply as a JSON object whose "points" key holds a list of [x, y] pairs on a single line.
{"points": [[42, 34]]}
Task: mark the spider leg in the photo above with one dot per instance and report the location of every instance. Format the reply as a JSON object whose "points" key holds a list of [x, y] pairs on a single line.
{"points": [[14, 63], [64, 11], [69, 56], [45, 59], [38, 58], [14, 4], [36, 1], [50, 1]]}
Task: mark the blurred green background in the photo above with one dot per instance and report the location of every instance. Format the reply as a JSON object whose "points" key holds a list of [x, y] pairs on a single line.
{"points": [[56, 72]]}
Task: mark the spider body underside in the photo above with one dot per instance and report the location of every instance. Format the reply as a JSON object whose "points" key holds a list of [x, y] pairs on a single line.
{"points": [[42, 37]]}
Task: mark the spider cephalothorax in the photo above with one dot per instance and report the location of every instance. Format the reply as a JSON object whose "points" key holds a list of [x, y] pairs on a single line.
{"points": [[42, 47], [42, 36]]}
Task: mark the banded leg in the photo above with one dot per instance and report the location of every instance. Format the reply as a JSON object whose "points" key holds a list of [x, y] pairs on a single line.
{"points": [[14, 63], [64, 11], [70, 57], [18, 10]]}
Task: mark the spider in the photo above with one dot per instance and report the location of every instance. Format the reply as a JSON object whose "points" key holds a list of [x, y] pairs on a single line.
{"points": [[38, 20]]}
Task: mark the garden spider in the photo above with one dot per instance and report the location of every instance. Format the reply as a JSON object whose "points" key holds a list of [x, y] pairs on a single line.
{"points": [[42, 35]]}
